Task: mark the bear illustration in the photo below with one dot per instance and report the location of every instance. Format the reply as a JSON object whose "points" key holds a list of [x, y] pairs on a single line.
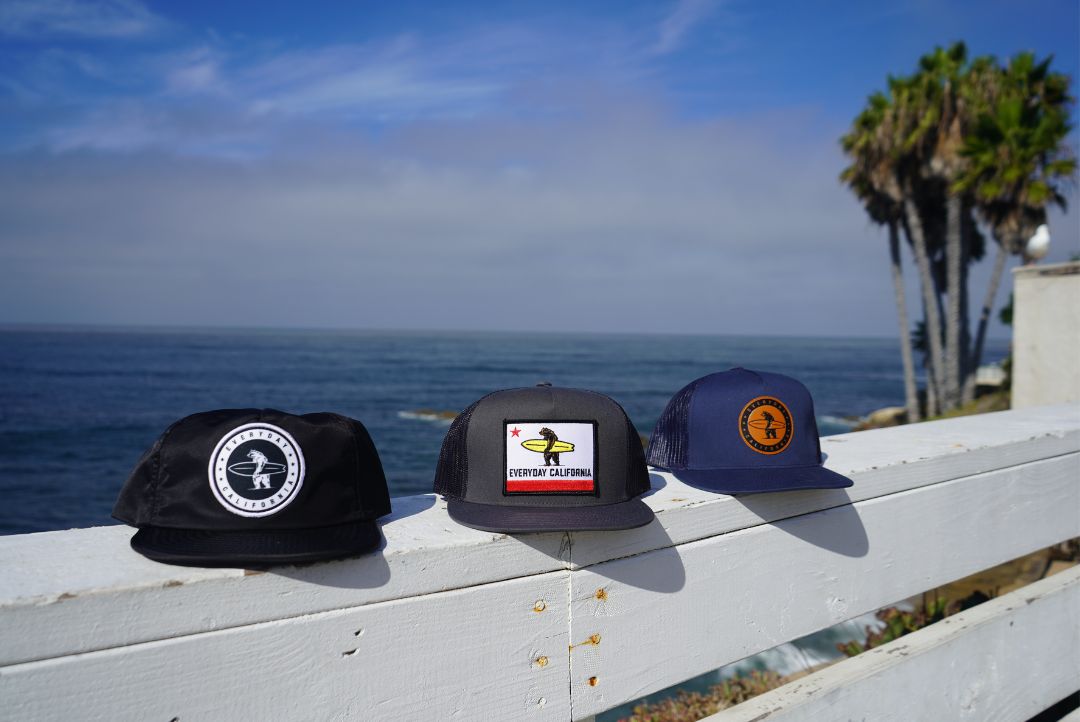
{"points": [[551, 438]]}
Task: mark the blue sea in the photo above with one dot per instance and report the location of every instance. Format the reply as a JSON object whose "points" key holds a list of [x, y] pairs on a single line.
{"points": [[79, 405]]}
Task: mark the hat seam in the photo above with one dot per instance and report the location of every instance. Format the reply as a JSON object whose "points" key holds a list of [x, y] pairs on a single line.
{"points": [[475, 406], [690, 415], [356, 458], [154, 497]]}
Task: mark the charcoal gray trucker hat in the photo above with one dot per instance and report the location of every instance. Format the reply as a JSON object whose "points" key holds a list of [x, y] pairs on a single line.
{"points": [[255, 488], [544, 459]]}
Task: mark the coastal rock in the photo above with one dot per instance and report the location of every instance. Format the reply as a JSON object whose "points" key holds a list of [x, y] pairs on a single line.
{"points": [[888, 416], [444, 417]]}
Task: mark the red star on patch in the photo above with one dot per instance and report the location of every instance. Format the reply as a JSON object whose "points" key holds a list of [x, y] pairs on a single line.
{"points": [[515, 431]]}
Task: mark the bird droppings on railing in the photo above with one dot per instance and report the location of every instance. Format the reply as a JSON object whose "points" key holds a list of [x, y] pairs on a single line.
{"points": [[540, 605], [677, 500], [601, 594]]}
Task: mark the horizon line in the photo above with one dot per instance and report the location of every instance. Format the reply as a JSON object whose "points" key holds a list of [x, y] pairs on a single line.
{"points": [[61, 327]]}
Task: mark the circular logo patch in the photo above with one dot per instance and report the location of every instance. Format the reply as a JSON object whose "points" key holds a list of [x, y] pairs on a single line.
{"points": [[765, 425], [256, 470]]}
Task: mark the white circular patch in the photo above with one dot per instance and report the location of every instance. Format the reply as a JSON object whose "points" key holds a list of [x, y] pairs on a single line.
{"points": [[256, 470]]}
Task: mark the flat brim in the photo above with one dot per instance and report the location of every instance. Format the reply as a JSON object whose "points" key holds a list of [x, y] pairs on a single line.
{"points": [[250, 549], [764, 480], [525, 519]]}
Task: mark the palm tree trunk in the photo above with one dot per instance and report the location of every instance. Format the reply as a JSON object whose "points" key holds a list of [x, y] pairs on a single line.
{"points": [[953, 268], [984, 317], [930, 305], [911, 390]]}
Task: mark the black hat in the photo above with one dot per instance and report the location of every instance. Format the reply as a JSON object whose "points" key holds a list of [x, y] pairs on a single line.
{"points": [[544, 459], [741, 432], [251, 487]]}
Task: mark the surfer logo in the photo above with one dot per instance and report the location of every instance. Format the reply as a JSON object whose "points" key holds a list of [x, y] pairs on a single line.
{"points": [[765, 425], [256, 470], [262, 481], [548, 445], [550, 450]]}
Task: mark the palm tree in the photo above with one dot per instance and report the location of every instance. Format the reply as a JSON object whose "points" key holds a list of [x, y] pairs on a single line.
{"points": [[953, 140], [871, 178], [1017, 160], [936, 147]]}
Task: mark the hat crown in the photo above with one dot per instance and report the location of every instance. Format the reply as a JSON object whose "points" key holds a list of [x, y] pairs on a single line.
{"points": [[251, 469], [737, 419], [542, 446]]}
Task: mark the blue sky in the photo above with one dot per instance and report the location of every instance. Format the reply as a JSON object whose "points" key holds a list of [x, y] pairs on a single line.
{"points": [[621, 166]]}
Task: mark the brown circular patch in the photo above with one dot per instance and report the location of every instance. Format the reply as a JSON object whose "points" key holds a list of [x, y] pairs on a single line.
{"points": [[765, 425]]}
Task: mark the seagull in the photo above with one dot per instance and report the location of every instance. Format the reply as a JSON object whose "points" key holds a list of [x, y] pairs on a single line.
{"points": [[1038, 245]]}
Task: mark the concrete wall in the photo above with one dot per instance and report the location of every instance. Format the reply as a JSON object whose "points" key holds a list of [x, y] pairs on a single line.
{"points": [[1046, 335]]}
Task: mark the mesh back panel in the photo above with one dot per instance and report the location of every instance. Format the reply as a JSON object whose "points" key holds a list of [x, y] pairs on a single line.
{"points": [[669, 445], [453, 469]]}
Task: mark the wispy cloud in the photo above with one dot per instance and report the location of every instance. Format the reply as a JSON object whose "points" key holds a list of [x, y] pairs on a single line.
{"points": [[230, 99], [394, 80], [195, 72], [675, 28], [77, 18]]}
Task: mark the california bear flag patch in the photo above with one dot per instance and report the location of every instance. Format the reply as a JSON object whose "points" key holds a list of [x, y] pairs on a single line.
{"points": [[550, 457]]}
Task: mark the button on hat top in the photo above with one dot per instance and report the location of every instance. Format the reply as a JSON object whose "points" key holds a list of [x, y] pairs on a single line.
{"points": [[250, 487], [544, 459], [742, 431]]}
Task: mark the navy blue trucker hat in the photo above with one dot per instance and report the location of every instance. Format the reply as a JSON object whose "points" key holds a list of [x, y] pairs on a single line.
{"points": [[742, 432], [255, 488], [544, 459]]}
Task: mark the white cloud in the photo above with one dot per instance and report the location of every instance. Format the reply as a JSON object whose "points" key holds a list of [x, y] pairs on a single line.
{"points": [[620, 220], [196, 72], [77, 18], [359, 81], [617, 218], [677, 25]]}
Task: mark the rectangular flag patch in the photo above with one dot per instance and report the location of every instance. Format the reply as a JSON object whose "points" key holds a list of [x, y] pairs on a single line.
{"points": [[550, 457]]}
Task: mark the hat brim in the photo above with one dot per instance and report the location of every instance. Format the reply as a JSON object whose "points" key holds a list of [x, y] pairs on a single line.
{"points": [[762, 480], [523, 519], [203, 548]]}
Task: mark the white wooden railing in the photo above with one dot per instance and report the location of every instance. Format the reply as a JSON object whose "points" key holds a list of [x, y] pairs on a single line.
{"points": [[451, 623]]}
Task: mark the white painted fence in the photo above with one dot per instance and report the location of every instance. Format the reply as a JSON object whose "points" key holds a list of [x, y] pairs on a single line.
{"points": [[451, 623]]}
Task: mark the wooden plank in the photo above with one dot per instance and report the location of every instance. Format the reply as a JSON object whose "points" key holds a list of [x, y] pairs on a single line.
{"points": [[84, 590], [1007, 659], [671, 614], [477, 653], [880, 461]]}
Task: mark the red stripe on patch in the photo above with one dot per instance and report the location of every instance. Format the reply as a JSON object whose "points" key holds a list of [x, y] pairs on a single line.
{"points": [[519, 485]]}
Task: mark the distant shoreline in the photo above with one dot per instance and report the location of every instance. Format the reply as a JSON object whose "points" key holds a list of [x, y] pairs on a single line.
{"points": [[104, 328]]}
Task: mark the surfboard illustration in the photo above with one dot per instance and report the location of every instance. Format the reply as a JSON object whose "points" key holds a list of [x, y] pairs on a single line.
{"points": [[763, 424], [541, 445], [247, 468]]}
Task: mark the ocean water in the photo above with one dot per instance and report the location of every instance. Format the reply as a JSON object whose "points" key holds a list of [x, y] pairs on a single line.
{"points": [[79, 406]]}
